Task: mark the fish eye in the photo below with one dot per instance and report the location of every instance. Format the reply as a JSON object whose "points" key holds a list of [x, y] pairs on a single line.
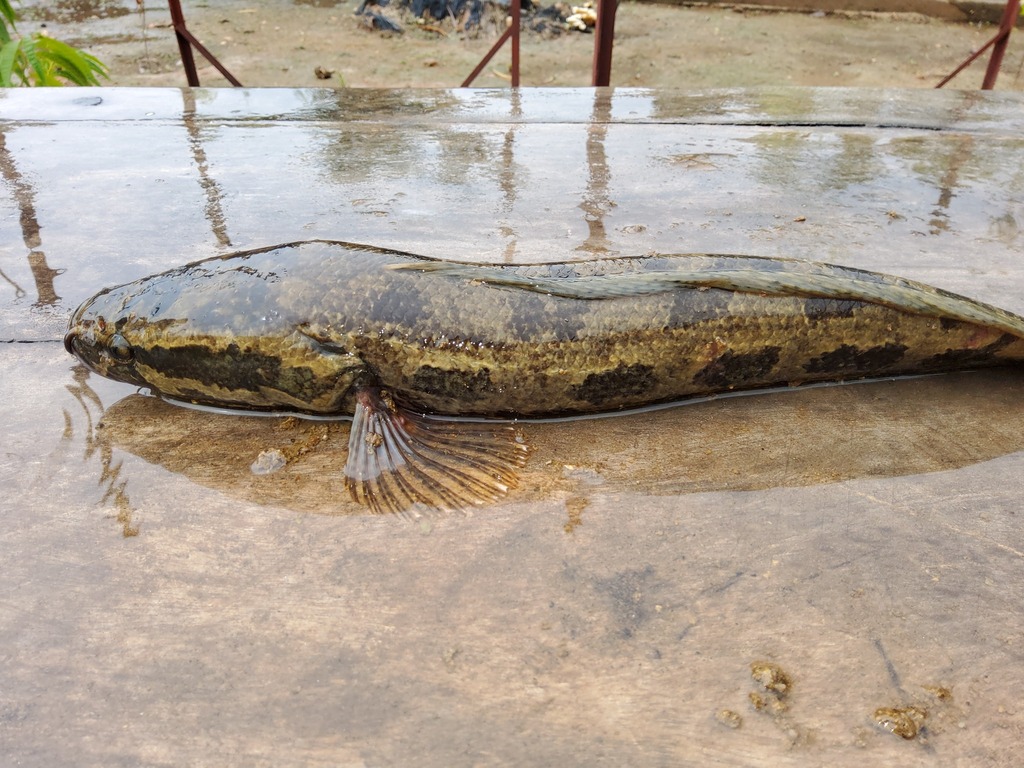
{"points": [[120, 349]]}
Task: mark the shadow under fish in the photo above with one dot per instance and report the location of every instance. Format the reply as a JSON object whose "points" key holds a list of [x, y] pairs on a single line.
{"points": [[787, 438], [404, 344]]}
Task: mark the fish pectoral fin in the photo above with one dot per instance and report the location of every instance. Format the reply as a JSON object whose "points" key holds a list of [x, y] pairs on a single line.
{"points": [[398, 459]]}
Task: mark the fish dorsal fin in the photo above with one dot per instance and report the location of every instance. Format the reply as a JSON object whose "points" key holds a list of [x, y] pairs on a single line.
{"points": [[398, 459], [823, 281]]}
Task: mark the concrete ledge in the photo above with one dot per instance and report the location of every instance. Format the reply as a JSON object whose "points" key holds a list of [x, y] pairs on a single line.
{"points": [[956, 10], [980, 10]]}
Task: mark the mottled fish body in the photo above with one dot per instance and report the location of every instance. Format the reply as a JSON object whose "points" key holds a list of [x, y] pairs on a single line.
{"points": [[335, 328]]}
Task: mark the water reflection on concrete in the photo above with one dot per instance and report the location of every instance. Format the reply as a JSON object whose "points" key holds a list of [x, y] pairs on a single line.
{"points": [[24, 195], [596, 203], [214, 209], [861, 541]]}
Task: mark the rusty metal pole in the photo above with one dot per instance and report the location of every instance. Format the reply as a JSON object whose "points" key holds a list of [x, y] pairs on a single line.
{"points": [[187, 41], [516, 15], [604, 38], [511, 32], [490, 55], [187, 60], [999, 47], [997, 43]]}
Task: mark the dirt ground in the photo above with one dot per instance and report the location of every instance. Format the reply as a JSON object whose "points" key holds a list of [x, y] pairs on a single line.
{"points": [[283, 42]]}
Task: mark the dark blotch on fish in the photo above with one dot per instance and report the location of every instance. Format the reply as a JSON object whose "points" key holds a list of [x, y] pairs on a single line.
{"points": [[735, 368], [456, 384], [965, 358], [850, 359], [622, 381], [229, 368]]}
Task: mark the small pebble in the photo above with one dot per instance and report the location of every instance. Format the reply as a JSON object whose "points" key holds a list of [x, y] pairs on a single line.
{"points": [[771, 677], [728, 718], [905, 722], [268, 462]]}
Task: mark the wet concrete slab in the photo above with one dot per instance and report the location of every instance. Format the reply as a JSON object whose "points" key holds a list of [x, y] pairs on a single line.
{"points": [[163, 605]]}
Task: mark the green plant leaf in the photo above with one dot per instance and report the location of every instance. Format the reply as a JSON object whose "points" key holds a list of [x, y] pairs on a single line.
{"points": [[40, 60], [70, 63], [8, 56], [7, 17], [40, 70]]}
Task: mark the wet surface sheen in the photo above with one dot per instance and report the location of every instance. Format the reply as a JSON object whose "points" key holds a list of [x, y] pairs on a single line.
{"points": [[786, 579]]}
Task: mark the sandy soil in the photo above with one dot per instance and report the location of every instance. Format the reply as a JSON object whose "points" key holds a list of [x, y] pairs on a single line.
{"points": [[282, 43]]}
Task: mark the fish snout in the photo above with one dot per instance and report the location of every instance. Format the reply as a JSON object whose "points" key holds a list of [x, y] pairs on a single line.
{"points": [[69, 341]]}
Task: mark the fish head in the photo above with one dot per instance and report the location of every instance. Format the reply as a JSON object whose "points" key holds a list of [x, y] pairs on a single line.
{"points": [[98, 335], [204, 342]]}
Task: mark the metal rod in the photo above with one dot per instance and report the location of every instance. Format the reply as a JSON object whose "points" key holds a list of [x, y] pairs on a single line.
{"points": [[516, 14], [1000, 39], [604, 39], [967, 62], [186, 41], [211, 58], [1009, 19], [490, 55], [511, 31], [187, 61]]}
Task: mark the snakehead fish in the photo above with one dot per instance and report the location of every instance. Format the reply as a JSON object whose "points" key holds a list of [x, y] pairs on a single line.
{"points": [[396, 340]]}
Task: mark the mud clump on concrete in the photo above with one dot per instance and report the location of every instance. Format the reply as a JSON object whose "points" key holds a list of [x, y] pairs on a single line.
{"points": [[775, 685], [905, 722]]}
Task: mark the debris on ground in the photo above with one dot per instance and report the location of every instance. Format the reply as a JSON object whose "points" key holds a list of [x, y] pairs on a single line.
{"points": [[583, 17], [443, 17], [374, 18]]}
